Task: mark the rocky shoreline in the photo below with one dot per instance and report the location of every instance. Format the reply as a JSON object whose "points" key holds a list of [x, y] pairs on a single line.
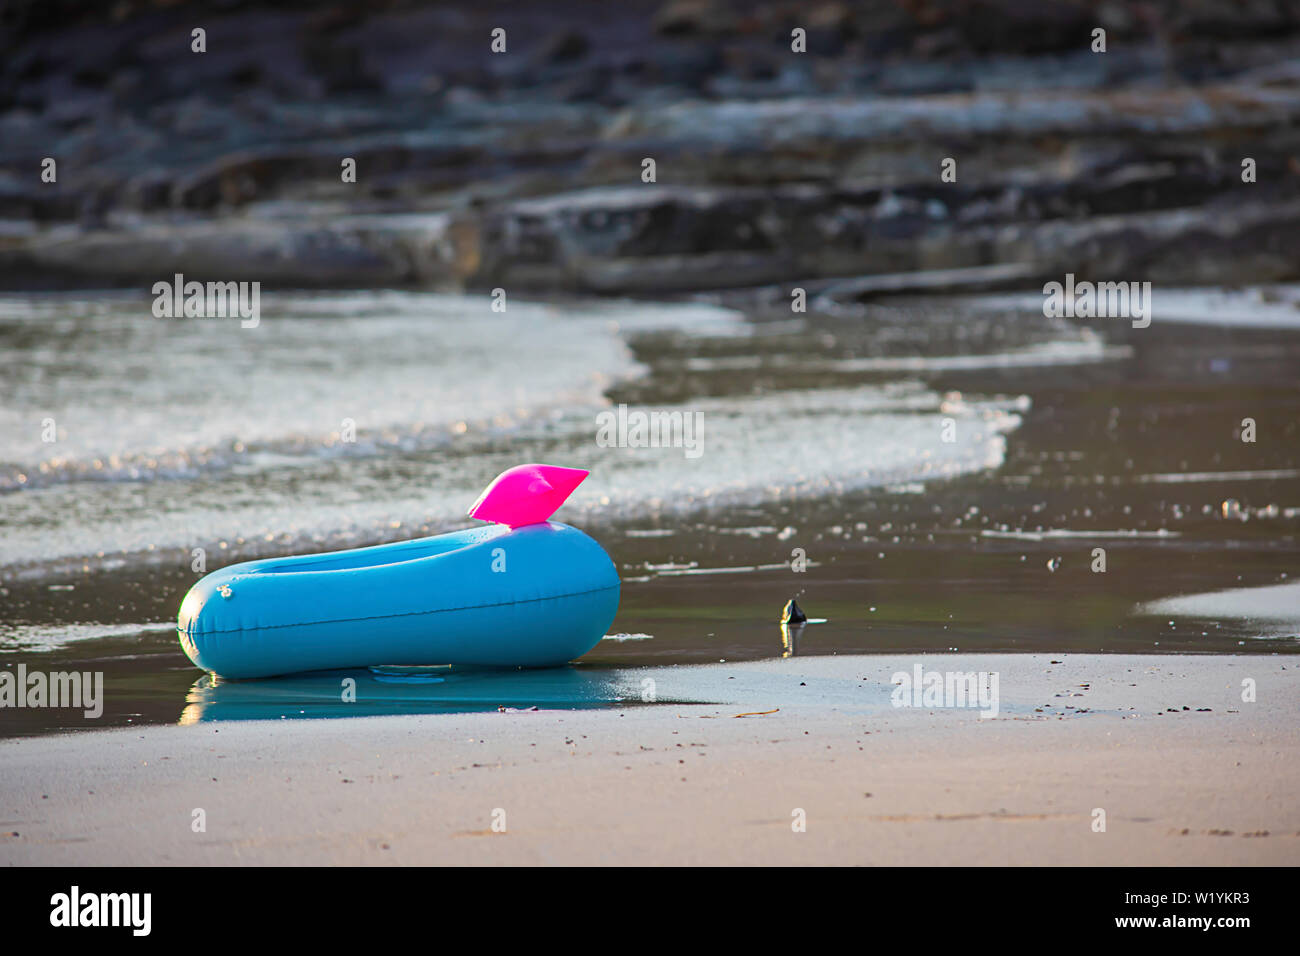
{"points": [[524, 169]]}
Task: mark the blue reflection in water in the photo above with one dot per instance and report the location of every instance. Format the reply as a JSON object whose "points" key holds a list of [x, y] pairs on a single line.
{"points": [[404, 690]]}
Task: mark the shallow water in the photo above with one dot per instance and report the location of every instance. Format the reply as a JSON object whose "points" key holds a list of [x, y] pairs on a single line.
{"points": [[200, 434], [823, 433]]}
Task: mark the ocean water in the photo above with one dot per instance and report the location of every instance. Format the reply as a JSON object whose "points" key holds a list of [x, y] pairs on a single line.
{"points": [[947, 467], [351, 417]]}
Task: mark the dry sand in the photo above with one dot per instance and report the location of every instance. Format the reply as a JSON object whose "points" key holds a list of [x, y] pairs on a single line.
{"points": [[690, 784]]}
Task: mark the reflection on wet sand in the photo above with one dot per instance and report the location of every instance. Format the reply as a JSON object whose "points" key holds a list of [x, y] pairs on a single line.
{"points": [[790, 634], [394, 690]]}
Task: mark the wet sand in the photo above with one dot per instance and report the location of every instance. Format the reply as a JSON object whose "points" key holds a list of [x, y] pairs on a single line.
{"points": [[1186, 772]]}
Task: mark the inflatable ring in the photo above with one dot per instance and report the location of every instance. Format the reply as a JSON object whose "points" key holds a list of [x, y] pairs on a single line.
{"points": [[526, 592]]}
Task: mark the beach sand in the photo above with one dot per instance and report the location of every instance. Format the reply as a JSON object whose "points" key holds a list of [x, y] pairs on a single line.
{"points": [[1214, 781]]}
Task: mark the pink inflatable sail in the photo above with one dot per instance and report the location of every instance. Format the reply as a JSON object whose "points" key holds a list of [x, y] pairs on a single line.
{"points": [[526, 494]]}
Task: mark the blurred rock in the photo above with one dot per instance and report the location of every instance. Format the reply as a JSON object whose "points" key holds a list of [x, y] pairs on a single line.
{"points": [[524, 167]]}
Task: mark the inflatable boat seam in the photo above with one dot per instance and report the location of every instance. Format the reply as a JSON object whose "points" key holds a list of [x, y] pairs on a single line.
{"points": [[379, 617]]}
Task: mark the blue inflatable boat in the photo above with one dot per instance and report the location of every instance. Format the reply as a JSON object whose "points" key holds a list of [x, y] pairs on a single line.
{"points": [[525, 592]]}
